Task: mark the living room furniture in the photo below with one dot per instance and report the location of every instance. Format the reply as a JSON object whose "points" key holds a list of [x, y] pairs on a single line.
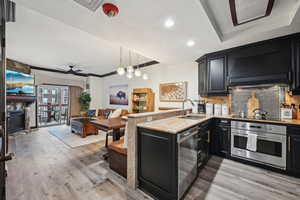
{"points": [[142, 100], [114, 125], [118, 157], [104, 113], [83, 126]]}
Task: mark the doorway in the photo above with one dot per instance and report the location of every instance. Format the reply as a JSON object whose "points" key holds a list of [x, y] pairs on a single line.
{"points": [[52, 105]]}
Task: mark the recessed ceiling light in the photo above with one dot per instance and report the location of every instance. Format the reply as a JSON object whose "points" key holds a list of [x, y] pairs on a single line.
{"points": [[169, 23], [190, 43]]}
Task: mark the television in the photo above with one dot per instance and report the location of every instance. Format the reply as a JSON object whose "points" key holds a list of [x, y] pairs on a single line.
{"points": [[19, 84]]}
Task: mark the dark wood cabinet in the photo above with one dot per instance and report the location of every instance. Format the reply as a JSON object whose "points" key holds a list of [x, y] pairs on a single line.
{"points": [[261, 63], [296, 66], [212, 74], [202, 77], [217, 75], [157, 165], [220, 138], [293, 150]]}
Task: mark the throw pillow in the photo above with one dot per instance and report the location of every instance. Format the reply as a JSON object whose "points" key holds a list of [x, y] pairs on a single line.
{"points": [[116, 113]]}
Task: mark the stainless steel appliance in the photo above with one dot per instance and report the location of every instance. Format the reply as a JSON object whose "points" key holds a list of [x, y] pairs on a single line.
{"points": [[187, 159], [201, 107], [270, 143]]}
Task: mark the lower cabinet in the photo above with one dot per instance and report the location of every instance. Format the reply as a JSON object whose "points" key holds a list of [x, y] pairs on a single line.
{"points": [[293, 149], [157, 165], [220, 138]]}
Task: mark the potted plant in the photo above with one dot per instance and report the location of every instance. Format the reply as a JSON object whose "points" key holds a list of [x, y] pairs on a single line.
{"points": [[85, 100]]}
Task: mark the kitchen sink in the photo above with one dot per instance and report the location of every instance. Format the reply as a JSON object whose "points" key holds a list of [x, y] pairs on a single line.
{"points": [[193, 117]]}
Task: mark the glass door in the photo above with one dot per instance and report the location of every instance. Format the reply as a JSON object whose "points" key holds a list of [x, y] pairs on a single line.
{"points": [[52, 105]]}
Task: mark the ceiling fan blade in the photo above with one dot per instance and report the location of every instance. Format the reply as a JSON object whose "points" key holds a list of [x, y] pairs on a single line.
{"points": [[60, 69]]}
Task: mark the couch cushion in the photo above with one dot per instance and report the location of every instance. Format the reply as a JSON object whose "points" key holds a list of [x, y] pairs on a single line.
{"points": [[116, 113]]}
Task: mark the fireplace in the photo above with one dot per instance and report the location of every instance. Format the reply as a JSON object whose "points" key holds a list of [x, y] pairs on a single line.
{"points": [[18, 111], [15, 121]]}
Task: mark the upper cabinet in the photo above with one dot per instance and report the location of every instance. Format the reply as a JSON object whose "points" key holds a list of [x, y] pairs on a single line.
{"points": [[212, 76], [202, 77], [217, 75], [275, 61], [296, 65], [261, 63]]}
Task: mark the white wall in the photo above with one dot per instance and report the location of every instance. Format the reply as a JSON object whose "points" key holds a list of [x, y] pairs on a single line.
{"points": [[96, 87], [160, 73]]}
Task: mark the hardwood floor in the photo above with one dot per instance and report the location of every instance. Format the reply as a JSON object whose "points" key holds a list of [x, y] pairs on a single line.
{"points": [[46, 169], [223, 179]]}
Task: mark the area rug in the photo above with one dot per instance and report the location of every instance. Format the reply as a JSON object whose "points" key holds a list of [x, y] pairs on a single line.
{"points": [[64, 134]]}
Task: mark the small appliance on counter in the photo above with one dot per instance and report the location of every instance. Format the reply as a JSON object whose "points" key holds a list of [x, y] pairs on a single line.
{"points": [[201, 107], [209, 108], [225, 110], [217, 109]]}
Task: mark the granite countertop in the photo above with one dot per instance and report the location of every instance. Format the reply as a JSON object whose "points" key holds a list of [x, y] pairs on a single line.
{"points": [[177, 124]]}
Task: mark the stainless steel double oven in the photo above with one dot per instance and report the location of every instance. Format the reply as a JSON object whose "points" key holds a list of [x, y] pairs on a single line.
{"points": [[270, 143]]}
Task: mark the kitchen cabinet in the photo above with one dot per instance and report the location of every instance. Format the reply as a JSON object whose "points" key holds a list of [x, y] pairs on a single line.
{"points": [[261, 63], [220, 138], [157, 165], [212, 73], [217, 75], [296, 66], [202, 77], [204, 144], [293, 149]]}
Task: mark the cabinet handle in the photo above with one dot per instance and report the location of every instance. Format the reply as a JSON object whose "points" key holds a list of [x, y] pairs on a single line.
{"points": [[208, 139], [289, 144]]}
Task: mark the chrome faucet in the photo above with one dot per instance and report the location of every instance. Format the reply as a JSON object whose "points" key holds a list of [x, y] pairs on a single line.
{"points": [[189, 100]]}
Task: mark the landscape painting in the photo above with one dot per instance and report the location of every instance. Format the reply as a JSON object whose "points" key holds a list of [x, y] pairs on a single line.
{"points": [[118, 95], [19, 83]]}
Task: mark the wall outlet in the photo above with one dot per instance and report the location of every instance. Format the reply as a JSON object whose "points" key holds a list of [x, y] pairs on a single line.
{"points": [[149, 119]]}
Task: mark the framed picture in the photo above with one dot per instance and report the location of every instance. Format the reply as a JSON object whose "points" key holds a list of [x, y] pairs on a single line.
{"points": [[118, 95], [173, 92]]}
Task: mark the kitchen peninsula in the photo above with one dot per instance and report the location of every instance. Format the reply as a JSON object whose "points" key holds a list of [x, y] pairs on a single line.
{"points": [[172, 151]]}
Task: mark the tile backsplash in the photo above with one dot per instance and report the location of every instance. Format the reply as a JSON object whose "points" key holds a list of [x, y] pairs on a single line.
{"points": [[269, 99]]}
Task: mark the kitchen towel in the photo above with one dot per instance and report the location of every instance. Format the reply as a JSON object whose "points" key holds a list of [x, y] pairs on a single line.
{"points": [[252, 142]]}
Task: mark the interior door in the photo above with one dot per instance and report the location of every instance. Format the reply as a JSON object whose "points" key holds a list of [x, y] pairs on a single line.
{"points": [[7, 10]]}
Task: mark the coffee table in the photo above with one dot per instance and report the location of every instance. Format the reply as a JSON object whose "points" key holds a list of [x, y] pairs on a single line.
{"points": [[83, 126]]}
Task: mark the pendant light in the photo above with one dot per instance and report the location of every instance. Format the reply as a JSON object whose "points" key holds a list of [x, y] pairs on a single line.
{"points": [[130, 68], [138, 72], [121, 70], [145, 76]]}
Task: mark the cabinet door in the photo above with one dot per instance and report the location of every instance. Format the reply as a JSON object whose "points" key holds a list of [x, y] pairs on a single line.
{"points": [[157, 166], [260, 63], [296, 66], [294, 153], [223, 138], [217, 75], [202, 77]]}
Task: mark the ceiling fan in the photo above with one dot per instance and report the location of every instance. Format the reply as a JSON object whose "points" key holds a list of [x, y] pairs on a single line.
{"points": [[71, 70]]}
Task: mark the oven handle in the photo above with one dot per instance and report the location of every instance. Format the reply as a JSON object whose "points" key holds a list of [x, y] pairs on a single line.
{"points": [[261, 137]]}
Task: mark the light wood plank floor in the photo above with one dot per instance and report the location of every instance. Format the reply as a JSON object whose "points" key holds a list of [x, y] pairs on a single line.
{"points": [[46, 169]]}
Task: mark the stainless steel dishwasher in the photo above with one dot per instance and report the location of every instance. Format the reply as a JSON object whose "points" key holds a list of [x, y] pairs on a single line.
{"points": [[187, 159]]}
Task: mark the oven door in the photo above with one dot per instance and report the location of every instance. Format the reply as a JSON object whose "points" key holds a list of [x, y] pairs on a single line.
{"points": [[271, 148]]}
